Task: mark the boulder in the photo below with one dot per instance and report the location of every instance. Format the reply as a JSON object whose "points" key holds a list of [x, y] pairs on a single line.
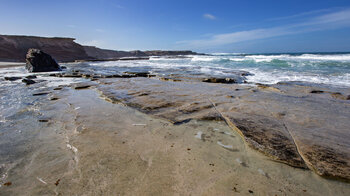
{"points": [[39, 61]]}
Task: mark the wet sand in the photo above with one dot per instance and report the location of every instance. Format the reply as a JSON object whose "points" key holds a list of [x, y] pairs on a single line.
{"points": [[11, 64], [87, 146], [138, 134]]}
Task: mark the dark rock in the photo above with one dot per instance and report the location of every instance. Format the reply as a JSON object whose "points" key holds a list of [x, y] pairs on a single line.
{"points": [[316, 91], [7, 183], [220, 80], [63, 67], [31, 77], [340, 96], [40, 93], [138, 74], [39, 61], [82, 87], [28, 81], [54, 98], [12, 78]]}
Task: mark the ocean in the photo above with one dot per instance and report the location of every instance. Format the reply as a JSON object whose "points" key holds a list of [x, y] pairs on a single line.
{"points": [[321, 68]]}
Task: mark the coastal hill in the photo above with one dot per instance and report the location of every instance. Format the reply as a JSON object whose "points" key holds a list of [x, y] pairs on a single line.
{"points": [[14, 48]]}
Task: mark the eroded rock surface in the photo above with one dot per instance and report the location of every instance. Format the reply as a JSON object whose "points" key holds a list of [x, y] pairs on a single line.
{"points": [[284, 121]]}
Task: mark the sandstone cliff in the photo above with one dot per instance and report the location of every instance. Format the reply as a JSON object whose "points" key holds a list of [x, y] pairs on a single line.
{"points": [[14, 48]]}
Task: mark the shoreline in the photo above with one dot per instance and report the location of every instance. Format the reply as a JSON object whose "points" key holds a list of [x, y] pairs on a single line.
{"points": [[271, 124]]}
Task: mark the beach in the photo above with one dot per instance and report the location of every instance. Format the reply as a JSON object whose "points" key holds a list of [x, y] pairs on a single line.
{"points": [[142, 128]]}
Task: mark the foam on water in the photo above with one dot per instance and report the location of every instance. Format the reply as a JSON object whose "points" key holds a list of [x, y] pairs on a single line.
{"points": [[332, 69]]}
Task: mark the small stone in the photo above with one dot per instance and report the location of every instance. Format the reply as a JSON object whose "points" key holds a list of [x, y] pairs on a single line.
{"points": [[41, 93], [31, 77], [82, 87], [12, 78], [316, 91], [28, 81], [7, 183], [54, 98], [57, 182]]}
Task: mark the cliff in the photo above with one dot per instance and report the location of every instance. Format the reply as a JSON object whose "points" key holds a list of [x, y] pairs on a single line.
{"points": [[14, 48]]}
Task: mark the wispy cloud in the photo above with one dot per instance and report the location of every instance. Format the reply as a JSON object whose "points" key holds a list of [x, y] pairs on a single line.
{"points": [[100, 30], [332, 20], [299, 15], [209, 16]]}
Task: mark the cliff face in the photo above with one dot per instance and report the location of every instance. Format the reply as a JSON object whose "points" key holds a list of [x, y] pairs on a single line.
{"points": [[14, 48], [97, 53]]}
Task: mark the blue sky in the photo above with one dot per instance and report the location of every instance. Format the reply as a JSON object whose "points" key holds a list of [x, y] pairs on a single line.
{"points": [[204, 26]]}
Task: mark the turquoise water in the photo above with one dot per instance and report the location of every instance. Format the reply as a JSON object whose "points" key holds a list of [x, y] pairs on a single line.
{"points": [[320, 68], [326, 68]]}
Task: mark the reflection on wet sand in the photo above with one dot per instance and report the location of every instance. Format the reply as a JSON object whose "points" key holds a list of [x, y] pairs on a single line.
{"points": [[179, 136], [92, 147]]}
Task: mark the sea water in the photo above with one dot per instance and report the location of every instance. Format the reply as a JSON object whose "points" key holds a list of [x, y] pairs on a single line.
{"points": [[322, 68]]}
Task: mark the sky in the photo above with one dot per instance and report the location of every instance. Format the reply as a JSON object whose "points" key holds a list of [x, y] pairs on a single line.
{"points": [[260, 26]]}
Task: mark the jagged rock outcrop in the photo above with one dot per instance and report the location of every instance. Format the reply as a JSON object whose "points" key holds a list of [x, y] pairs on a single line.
{"points": [[39, 61]]}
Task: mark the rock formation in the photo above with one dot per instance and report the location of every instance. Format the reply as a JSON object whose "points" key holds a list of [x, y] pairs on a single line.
{"points": [[14, 48], [39, 61]]}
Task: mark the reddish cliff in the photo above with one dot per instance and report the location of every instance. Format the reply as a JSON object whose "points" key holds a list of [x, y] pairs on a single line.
{"points": [[14, 48]]}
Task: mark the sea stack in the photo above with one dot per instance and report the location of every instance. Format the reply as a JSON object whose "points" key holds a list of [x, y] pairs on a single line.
{"points": [[39, 61]]}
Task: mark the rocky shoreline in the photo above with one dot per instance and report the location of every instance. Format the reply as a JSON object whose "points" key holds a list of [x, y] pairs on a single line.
{"points": [[302, 125], [289, 122]]}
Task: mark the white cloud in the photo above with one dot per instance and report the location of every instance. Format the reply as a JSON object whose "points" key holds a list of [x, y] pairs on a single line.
{"points": [[333, 20], [209, 16]]}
